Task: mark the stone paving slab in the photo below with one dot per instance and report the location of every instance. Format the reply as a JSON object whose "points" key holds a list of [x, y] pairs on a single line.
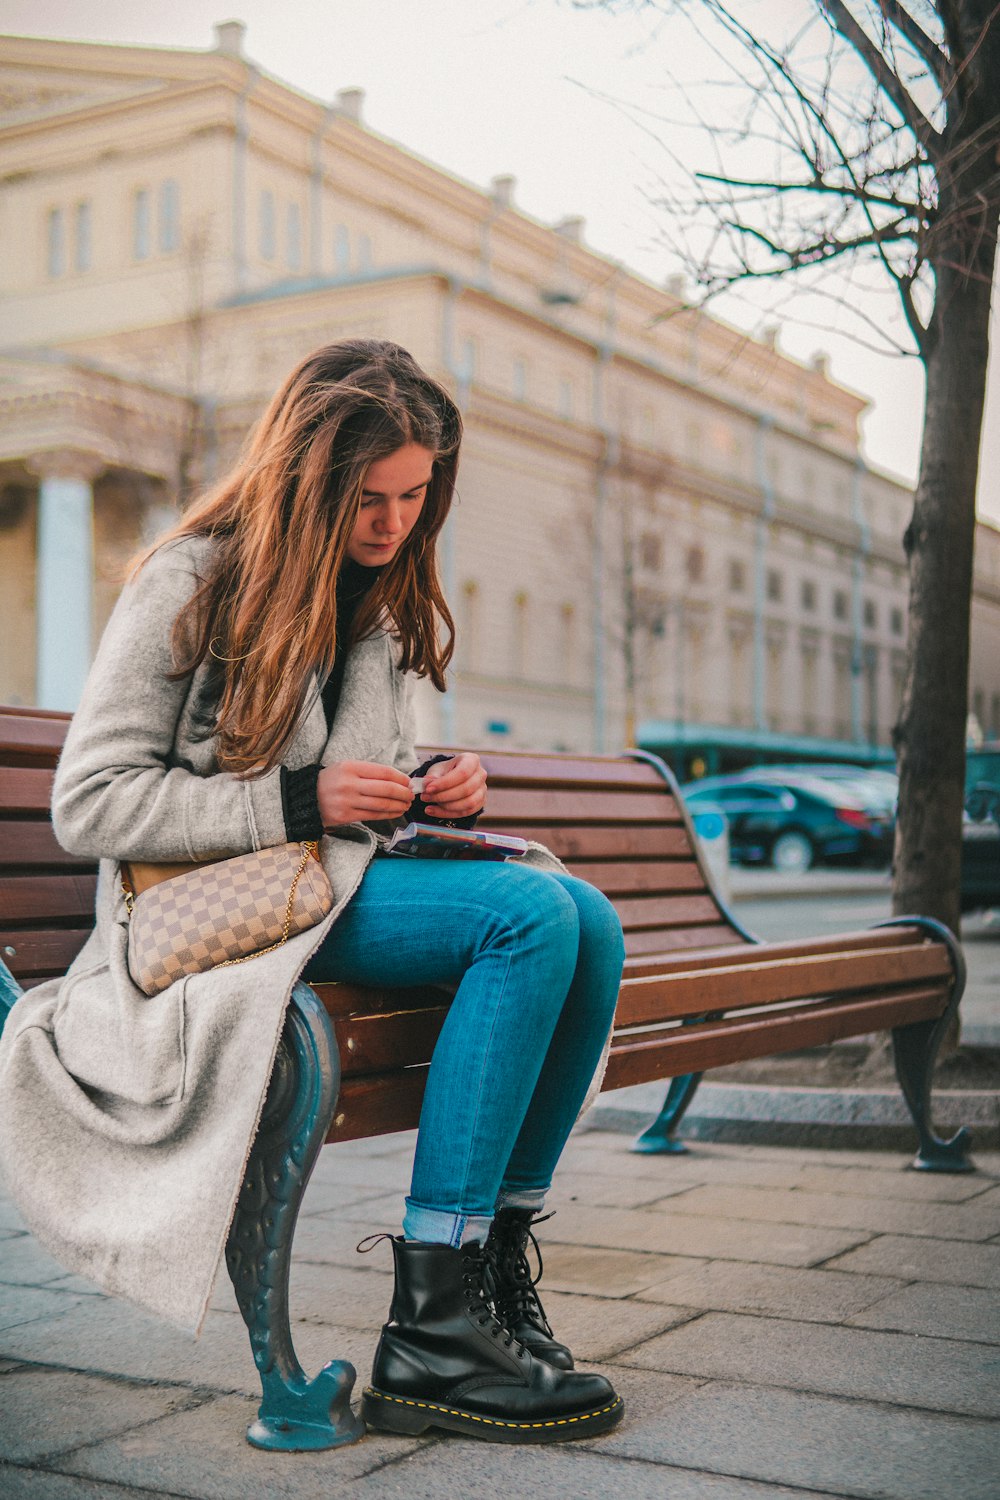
{"points": [[603, 1190], [939, 1374], [41, 1484], [23, 1260], [783, 1292], [46, 1412], [972, 1220], [574, 1470], [956, 1312], [23, 1304], [609, 1273], [954, 1261], [109, 1336], [853, 1448], [203, 1453], [597, 1330], [695, 1234], [925, 1187]]}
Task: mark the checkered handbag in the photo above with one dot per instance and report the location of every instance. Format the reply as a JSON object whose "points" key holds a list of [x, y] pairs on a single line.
{"points": [[221, 913]]}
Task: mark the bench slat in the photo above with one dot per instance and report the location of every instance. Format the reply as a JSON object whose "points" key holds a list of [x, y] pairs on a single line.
{"points": [[380, 1044], [651, 876], [664, 912], [41, 955], [694, 1049], [623, 841], [523, 807], [25, 790], [62, 899], [870, 938], [29, 844], [535, 768], [770, 981], [661, 940]]}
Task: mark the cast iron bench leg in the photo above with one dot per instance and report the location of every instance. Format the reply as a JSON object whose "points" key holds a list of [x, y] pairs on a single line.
{"points": [[659, 1139], [10, 991], [296, 1413], [915, 1049]]}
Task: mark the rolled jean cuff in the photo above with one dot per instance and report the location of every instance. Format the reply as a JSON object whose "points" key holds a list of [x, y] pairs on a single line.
{"points": [[529, 1198], [437, 1226]]}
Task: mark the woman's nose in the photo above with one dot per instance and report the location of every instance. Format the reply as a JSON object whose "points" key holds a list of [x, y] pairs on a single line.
{"points": [[392, 518]]}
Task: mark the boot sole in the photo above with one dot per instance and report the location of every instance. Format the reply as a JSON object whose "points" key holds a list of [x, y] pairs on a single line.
{"points": [[402, 1414]]}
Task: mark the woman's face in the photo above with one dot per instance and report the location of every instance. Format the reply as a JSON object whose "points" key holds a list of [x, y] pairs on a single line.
{"points": [[391, 501]]}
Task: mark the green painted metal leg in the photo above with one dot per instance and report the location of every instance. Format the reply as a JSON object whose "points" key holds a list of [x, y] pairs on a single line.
{"points": [[10, 992], [659, 1138], [915, 1049], [296, 1413]]}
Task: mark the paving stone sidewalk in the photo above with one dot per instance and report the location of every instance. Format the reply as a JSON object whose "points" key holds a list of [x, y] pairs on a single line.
{"points": [[781, 1322]]}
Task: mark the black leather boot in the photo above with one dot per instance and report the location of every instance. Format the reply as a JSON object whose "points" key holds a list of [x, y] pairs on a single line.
{"points": [[444, 1360], [517, 1303]]}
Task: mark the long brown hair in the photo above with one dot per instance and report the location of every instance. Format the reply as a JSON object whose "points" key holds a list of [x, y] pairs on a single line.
{"points": [[281, 522]]}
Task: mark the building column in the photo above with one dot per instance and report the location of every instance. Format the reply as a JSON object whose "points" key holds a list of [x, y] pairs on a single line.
{"points": [[64, 575]]}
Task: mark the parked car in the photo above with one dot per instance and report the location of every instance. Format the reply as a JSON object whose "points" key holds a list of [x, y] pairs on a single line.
{"points": [[793, 823], [878, 788]]}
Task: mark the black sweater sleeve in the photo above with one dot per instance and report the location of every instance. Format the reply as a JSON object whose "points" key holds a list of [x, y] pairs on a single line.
{"points": [[300, 803]]}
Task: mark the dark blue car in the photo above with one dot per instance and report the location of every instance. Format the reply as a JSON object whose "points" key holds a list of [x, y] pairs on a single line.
{"points": [[796, 822]]}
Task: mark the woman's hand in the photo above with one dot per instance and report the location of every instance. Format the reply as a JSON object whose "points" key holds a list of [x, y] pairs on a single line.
{"points": [[455, 788], [360, 791]]}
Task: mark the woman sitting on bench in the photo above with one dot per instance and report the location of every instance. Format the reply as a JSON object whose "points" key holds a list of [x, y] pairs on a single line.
{"points": [[252, 688]]}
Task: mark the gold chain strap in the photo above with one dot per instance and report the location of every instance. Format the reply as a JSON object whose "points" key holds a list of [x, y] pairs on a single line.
{"points": [[308, 852]]}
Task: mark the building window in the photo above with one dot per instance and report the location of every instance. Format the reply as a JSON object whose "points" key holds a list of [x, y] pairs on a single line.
{"points": [[469, 638], [293, 238], [979, 706], [808, 594], [140, 225], [694, 565], [267, 233], [519, 654], [342, 248], [56, 243], [896, 621], [995, 716], [567, 640], [170, 216], [566, 399], [774, 585], [365, 257], [470, 359], [520, 380], [81, 237], [737, 575], [839, 604], [650, 551], [870, 614]]}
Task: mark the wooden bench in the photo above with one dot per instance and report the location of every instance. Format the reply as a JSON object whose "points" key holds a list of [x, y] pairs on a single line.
{"points": [[698, 992]]}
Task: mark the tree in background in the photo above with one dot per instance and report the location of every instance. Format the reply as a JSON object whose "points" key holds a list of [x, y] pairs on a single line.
{"points": [[862, 137]]}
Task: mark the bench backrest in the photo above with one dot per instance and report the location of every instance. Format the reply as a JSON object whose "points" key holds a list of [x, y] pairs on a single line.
{"points": [[616, 822]]}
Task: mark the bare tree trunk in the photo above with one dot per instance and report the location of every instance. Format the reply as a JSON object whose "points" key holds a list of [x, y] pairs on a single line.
{"points": [[930, 735]]}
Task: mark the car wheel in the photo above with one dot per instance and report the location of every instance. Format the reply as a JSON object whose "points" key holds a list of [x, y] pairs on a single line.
{"points": [[791, 852]]}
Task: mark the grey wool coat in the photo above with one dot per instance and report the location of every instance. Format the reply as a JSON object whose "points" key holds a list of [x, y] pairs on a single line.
{"points": [[126, 1121]]}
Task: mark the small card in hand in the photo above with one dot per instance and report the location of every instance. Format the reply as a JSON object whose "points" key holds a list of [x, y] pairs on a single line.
{"points": [[427, 841]]}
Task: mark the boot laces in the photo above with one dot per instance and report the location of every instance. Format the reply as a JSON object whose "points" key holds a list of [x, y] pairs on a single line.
{"points": [[517, 1296], [482, 1283]]}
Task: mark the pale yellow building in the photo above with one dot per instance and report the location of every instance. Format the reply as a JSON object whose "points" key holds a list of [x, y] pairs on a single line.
{"points": [[661, 523]]}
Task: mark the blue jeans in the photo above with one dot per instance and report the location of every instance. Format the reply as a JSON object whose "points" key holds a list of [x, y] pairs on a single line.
{"points": [[537, 958]]}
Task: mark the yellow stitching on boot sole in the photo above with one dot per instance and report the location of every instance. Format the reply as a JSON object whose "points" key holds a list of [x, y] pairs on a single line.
{"points": [[468, 1416]]}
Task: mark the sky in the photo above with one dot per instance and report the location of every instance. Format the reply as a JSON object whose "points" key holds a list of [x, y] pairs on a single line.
{"points": [[576, 103]]}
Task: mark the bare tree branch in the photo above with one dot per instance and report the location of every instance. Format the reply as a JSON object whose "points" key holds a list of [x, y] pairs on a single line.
{"points": [[887, 81], [922, 44]]}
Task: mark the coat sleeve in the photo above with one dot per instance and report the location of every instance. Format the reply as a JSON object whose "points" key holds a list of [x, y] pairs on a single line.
{"points": [[117, 794]]}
